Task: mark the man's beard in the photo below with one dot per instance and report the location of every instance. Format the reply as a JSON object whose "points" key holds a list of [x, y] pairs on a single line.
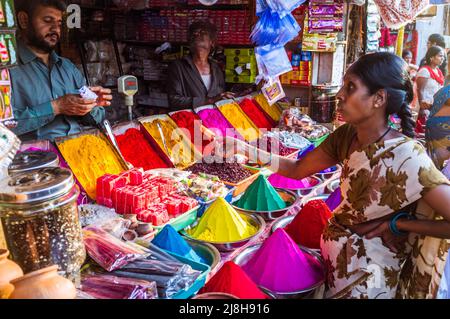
{"points": [[39, 42]]}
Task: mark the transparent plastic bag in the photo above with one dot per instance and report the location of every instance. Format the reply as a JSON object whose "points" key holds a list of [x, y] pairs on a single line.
{"points": [[170, 276], [272, 61], [275, 30], [284, 6], [108, 251], [105, 286]]}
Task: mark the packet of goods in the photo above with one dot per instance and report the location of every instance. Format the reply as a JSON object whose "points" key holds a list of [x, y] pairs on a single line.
{"points": [[108, 251], [205, 187], [290, 139], [104, 286], [171, 276], [87, 94]]}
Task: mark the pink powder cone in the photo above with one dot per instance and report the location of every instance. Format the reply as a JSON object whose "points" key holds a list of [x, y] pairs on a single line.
{"points": [[279, 181], [281, 266]]}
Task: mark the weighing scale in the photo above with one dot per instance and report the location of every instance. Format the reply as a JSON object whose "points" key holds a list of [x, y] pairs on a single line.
{"points": [[128, 86]]}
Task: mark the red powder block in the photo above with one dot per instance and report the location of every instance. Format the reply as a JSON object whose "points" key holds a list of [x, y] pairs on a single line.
{"points": [[307, 227]]}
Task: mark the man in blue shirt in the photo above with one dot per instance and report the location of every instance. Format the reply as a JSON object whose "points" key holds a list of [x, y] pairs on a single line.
{"points": [[45, 97]]}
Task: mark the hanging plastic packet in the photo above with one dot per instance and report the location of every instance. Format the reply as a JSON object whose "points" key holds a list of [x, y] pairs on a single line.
{"points": [[272, 61], [261, 6], [275, 30], [284, 7], [273, 91]]}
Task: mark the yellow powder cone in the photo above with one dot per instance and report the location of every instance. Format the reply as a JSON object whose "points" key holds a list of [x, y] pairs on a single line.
{"points": [[221, 223]]}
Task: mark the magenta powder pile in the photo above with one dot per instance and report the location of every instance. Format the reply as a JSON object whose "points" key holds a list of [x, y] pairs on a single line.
{"points": [[216, 122], [279, 181], [282, 267]]}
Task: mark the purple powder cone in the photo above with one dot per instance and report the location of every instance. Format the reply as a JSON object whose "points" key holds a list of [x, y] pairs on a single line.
{"points": [[279, 181], [334, 200], [281, 266], [215, 121]]}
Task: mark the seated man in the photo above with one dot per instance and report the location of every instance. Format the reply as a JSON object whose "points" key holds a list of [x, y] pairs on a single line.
{"points": [[45, 86], [197, 80]]}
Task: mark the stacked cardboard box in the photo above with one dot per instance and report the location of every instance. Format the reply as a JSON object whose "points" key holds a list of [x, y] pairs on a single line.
{"points": [[301, 69], [240, 65]]}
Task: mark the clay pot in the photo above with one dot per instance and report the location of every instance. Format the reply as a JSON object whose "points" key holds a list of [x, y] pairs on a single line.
{"points": [[9, 270], [43, 284]]}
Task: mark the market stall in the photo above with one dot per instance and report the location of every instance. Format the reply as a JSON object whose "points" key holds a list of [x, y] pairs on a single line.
{"points": [[151, 209]]}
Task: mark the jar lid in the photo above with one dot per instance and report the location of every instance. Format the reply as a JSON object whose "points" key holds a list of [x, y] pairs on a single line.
{"points": [[30, 160], [36, 186]]}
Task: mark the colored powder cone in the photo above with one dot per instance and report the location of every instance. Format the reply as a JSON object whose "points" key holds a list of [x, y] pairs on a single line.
{"points": [[279, 181], [334, 200], [307, 227], [233, 280], [169, 239], [281, 266], [221, 223], [261, 196], [214, 120]]}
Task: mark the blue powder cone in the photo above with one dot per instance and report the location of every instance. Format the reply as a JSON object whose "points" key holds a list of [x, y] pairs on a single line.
{"points": [[169, 239]]}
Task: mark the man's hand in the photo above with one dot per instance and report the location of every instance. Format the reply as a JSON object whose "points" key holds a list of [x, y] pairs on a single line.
{"points": [[104, 95], [221, 96], [73, 105]]}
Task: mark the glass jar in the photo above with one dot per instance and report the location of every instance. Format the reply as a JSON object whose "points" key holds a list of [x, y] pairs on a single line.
{"points": [[323, 104], [31, 160], [39, 215]]}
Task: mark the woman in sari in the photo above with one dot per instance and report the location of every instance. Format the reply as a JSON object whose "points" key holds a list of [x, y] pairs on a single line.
{"points": [[437, 136], [372, 235]]}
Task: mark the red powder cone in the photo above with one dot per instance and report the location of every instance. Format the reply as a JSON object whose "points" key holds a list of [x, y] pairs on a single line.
{"points": [[233, 280], [307, 227]]}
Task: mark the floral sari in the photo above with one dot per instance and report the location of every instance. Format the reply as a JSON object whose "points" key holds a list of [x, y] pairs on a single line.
{"points": [[381, 179]]}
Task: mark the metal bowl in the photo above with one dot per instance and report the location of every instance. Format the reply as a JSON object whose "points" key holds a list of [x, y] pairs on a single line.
{"points": [[289, 197], [247, 253], [327, 175], [308, 190], [207, 251], [254, 220], [215, 295], [333, 185]]}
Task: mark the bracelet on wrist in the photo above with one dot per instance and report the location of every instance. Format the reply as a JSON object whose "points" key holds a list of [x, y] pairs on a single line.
{"points": [[393, 223]]}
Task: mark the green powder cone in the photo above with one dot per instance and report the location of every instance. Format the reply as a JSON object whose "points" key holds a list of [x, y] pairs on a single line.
{"points": [[261, 196]]}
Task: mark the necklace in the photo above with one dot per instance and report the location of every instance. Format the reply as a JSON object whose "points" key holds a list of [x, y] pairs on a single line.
{"points": [[378, 140]]}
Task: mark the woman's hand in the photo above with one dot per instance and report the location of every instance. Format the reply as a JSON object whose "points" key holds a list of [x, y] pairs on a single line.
{"points": [[390, 240]]}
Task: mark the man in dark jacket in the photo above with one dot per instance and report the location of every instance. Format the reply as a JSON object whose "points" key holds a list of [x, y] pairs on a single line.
{"points": [[197, 80]]}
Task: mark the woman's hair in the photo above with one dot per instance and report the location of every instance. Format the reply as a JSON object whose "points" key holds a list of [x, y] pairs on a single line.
{"points": [[431, 53], [406, 53], [438, 39], [386, 71]]}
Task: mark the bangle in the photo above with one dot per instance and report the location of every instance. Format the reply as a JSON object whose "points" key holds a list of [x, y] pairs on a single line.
{"points": [[392, 224]]}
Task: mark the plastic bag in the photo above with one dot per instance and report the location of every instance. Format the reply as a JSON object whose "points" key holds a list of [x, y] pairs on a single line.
{"points": [[274, 30], [105, 286], [272, 61], [170, 276], [109, 252], [284, 6], [273, 91]]}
